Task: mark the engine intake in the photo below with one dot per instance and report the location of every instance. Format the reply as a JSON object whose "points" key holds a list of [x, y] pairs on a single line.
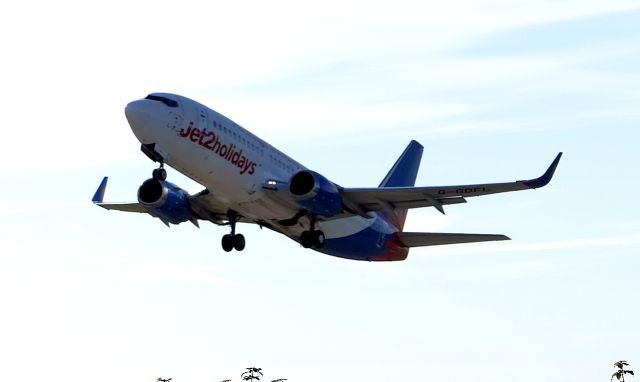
{"points": [[165, 201], [302, 183], [152, 193], [315, 193]]}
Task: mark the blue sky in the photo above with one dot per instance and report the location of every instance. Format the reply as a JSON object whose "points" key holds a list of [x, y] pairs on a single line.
{"points": [[492, 89]]}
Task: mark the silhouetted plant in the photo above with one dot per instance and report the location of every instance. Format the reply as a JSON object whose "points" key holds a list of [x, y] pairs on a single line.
{"points": [[252, 374], [163, 380], [619, 374]]}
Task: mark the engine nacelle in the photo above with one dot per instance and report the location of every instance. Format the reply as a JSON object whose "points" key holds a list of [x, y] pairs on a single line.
{"points": [[164, 200], [315, 193]]}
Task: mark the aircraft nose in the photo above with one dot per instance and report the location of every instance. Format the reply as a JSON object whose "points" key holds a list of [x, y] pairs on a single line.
{"points": [[139, 117], [137, 114]]}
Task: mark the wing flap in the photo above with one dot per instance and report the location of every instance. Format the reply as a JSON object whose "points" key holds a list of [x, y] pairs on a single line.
{"points": [[423, 239], [401, 202]]}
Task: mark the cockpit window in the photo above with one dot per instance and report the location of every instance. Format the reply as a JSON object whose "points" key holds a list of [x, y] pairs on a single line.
{"points": [[167, 101]]}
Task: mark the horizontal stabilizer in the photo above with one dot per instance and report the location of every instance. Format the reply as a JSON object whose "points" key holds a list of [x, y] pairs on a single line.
{"points": [[422, 239]]}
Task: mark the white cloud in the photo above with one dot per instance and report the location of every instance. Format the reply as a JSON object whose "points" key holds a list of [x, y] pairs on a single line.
{"points": [[71, 67]]}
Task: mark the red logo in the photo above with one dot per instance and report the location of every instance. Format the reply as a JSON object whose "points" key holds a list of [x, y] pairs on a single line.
{"points": [[211, 141]]}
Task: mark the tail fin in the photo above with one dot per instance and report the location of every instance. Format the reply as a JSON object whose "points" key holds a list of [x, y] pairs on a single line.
{"points": [[405, 170], [403, 174]]}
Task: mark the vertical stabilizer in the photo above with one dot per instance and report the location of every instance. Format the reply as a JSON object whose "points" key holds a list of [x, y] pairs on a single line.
{"points": [[403, 174], [405, 170]]}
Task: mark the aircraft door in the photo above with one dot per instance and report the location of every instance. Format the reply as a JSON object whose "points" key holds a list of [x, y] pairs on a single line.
{"points": [[203, 120]]}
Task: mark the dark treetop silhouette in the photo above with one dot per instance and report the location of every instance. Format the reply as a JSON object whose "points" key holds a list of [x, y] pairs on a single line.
{"points": [[619, 374], [254, 374]]}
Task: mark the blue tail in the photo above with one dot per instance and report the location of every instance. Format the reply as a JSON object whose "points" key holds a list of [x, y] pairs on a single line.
{"points": [[405, 170], [403, 174]]}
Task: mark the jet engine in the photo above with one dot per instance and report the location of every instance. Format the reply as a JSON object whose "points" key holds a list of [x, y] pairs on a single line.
{"points": [[165, 201], [315, 193]]}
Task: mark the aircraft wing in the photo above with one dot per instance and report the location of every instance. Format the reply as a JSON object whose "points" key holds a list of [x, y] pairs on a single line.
{"points": [[203, 205], [362, 200], [127, 207]]}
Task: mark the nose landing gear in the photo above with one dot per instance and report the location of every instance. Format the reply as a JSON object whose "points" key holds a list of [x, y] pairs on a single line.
{"points": [[233, 240], [159, 173]]}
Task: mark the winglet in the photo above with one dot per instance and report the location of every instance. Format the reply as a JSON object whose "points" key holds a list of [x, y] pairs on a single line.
{"points": [[98, 197], [546, 177]]}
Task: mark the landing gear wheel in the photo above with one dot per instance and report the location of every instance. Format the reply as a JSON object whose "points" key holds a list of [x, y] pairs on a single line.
{"points": [[227, 243], [306, 239], [238, 242], [233, 240], [159, 174], [318, 239], [312, 237]]}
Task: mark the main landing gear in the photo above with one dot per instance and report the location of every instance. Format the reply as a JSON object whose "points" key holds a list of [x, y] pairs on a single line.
{"points": [[312, 237], [159, 173], [233, 240]]}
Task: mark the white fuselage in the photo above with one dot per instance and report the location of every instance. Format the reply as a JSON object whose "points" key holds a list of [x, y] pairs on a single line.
{"points": [[231, 162]]}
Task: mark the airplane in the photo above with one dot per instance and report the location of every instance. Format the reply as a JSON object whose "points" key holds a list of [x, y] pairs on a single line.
{"points": [[247, 180]]}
